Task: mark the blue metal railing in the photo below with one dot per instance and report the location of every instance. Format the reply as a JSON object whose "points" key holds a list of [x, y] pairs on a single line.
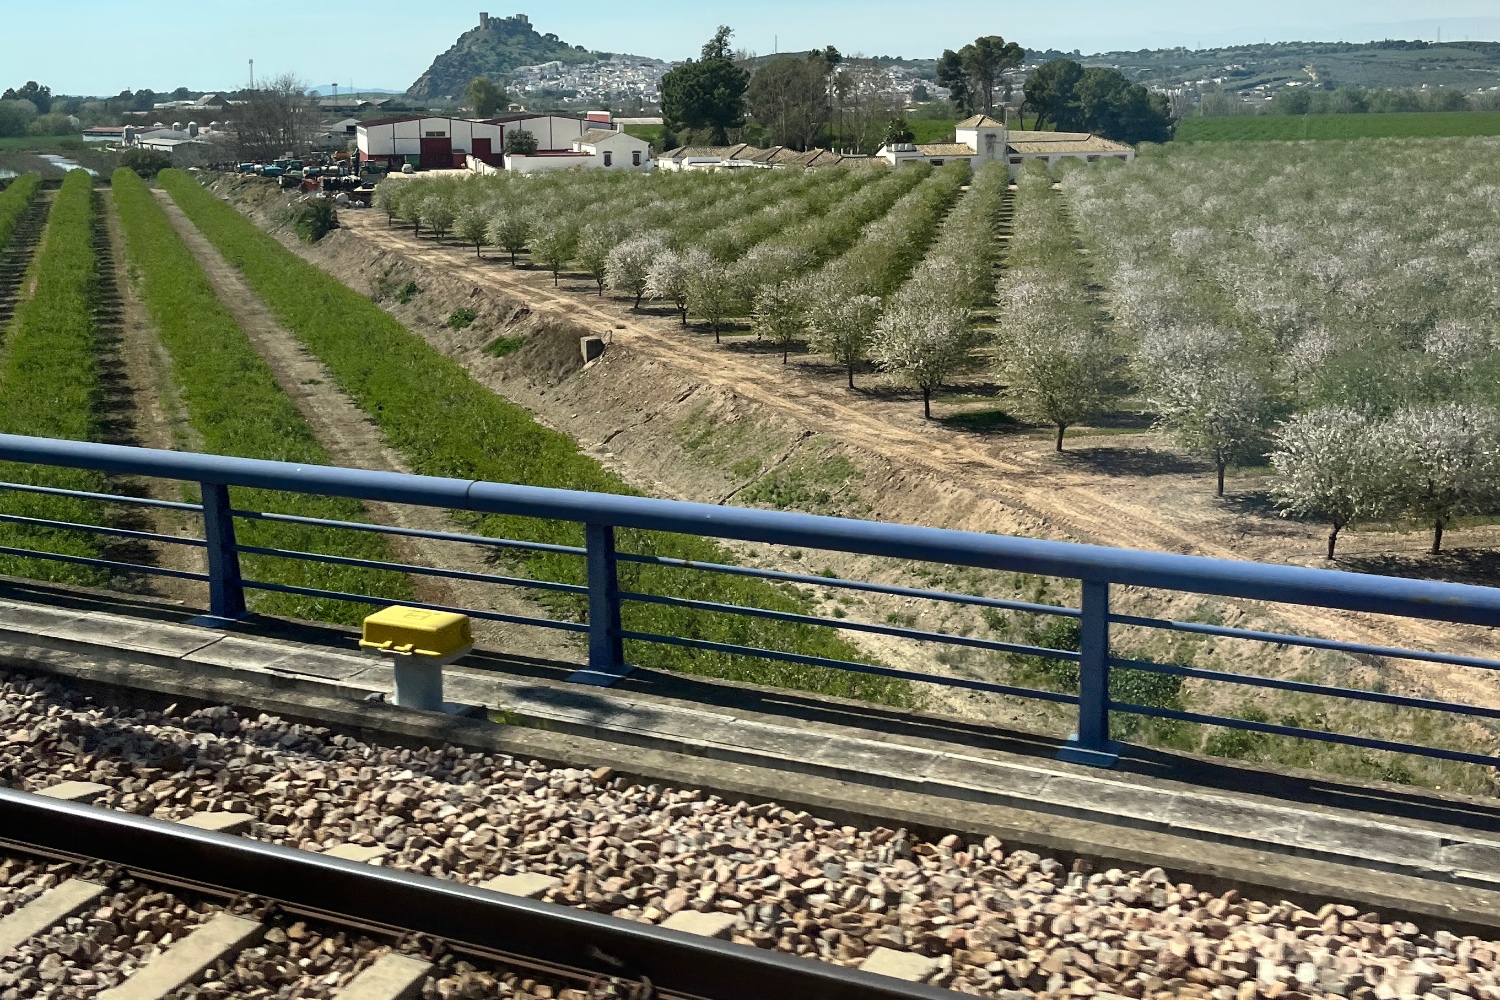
{"points": [[1098, 570]]}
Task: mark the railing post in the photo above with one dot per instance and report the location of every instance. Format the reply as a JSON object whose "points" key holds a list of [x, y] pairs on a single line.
{"points": [[226, 592], [1091, 744], [606, 648]]}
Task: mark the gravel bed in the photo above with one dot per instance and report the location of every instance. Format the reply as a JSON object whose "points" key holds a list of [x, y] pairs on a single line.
{"points": [[99, 947], [988, 921]]}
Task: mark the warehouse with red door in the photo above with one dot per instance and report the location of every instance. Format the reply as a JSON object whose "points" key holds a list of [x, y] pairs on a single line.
{"points": [[430, 142]]}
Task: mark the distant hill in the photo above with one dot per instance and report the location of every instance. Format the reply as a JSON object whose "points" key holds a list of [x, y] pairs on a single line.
{"points": [[1374, 65], [494, 48]]}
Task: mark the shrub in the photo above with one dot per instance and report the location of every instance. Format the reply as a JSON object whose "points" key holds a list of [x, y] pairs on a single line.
{"points": [[146, 162], [458, 319], [314, 219]]}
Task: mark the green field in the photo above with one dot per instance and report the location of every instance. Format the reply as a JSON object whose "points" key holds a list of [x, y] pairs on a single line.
{"points": [[1273, 128]]}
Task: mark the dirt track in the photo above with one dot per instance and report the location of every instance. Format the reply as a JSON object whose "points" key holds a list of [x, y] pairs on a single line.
{"points": [[352, 439]]}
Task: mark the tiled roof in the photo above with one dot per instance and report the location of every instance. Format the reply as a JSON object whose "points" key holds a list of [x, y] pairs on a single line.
{"points": [[1062, 142], [980, 121], [945, 149]]}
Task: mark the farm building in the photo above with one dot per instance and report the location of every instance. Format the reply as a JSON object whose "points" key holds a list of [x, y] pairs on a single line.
{"points": [[981, 139], [438, 143], [743, 155], [600, 148]]}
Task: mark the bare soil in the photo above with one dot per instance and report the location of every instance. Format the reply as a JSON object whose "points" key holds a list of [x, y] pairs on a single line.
{"points": [[352, 439], [679, 416]]}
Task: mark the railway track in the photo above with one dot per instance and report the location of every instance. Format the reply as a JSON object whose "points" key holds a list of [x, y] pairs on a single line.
{"points": [[121, 907]]}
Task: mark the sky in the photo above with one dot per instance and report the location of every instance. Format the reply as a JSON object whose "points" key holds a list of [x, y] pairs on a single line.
{"points": [[93, 47]]}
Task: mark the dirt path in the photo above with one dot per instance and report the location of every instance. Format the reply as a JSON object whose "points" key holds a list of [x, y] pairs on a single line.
{"points": [[1142, 495], [352, 439], [16, 276]]}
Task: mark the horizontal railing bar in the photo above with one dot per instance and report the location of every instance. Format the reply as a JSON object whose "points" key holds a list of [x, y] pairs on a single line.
{"points": [[862, 668], [493, 616], [1282, 584], [855, 626], [1305, 687], [447, 574], [179, 574], [873, 588], [146, 536], [110, 497], [1308, 641], [386, 529], [1272, 729]]}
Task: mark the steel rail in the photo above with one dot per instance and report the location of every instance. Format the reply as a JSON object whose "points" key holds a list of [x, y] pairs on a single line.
{"points": [[975, 600], [338, 595], [394, 567], [1455, 602], [388, 529], [106, 497], [1300, 732], [673, 961], [140, 536], [875, 628], [1310, 642], [179, 574]]}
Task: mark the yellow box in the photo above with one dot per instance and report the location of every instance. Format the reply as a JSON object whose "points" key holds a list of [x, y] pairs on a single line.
{"points": [[415, 632]]}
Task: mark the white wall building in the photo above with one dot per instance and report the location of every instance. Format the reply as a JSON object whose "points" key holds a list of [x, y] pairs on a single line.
{"points": [[602, 149], [981, 139]]}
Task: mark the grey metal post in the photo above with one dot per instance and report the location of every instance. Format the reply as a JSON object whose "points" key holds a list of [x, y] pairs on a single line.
{"points": [[226, 592], [606, 647], [1091, 744]]}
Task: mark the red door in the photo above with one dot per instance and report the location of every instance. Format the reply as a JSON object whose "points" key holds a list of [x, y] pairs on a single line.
{"points": [[437, 154], [482, 150]]}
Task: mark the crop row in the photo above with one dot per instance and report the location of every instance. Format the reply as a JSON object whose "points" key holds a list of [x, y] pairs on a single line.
{"points": [[235, 405], [14, 201], [1044, 271], [49, 387], [449, 425], [891, 246]]}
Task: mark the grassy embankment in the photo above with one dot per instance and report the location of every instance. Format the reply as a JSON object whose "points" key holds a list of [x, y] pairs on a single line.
{"points": [[236, 407], [446, 424], [49, 387], [1396, 125], [14, 201]]}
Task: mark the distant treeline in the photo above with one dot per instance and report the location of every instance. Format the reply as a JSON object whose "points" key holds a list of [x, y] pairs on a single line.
{"points": [[1346, 101]]}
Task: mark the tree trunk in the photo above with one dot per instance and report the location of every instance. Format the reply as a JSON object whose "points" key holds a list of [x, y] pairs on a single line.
{"points": [[683, 310], [554, 278], [785, 350], [478, 252], [1437, 536], [1060, 429], [1333, 539], [926, 402], [637, 301], [716, 333], [1221, 477], [851, 374]]}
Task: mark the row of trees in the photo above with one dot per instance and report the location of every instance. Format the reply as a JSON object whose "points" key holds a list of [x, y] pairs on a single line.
{"points": [[823, 97], [1344, 100], [1064, 94]]}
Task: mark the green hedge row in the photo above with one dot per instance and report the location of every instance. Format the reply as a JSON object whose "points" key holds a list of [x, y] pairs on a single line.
{"points": [[49, 387], [449, 425], [234, 403], [14, 201]]}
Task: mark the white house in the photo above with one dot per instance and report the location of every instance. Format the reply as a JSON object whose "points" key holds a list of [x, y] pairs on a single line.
{"points": [[981, 139], [439, 143], [603, 149]]}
